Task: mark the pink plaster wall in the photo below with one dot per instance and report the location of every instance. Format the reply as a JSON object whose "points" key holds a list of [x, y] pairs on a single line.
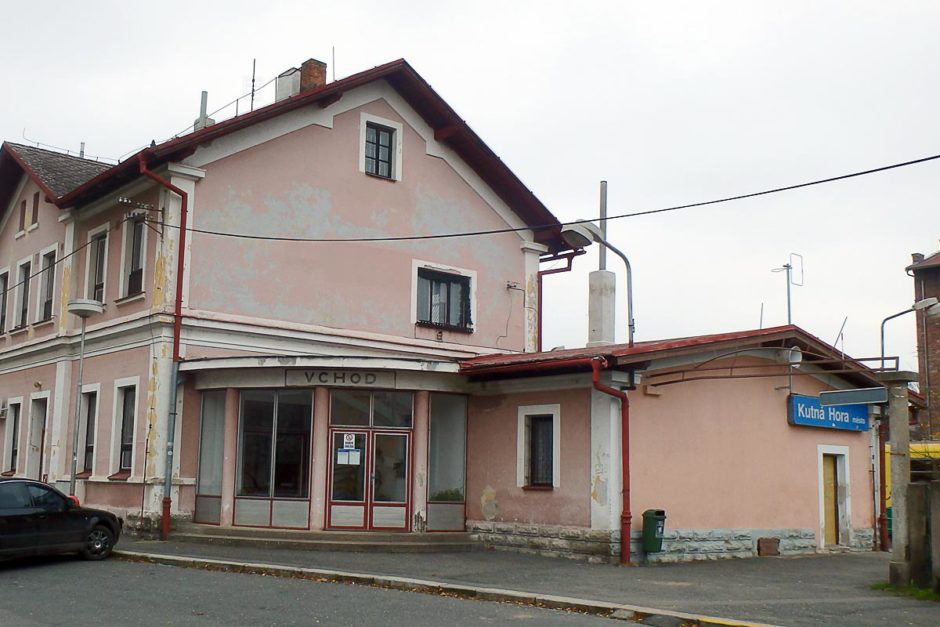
{"points": [[491, 460], [104, 370], [23, 383], [13, 249], [114, 279], [308, 184], [720, 454], [113, 494]]}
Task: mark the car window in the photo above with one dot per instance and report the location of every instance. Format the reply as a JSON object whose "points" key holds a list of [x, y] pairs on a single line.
{"points": [[13, 495], [45, 498]]}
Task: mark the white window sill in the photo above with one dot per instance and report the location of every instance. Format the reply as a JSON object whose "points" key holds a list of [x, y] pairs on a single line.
{"points": [[19, 330], [130, 299], [19, 234], [43, 323], [32, 227]]}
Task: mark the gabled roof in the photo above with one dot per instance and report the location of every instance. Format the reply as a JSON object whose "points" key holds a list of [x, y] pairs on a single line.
{"points": [[448, 128], [625, 357], [55, 173], [931, 261]]}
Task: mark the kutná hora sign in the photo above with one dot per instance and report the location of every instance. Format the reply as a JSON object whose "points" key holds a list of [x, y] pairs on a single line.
{"points": [[808, 412]]}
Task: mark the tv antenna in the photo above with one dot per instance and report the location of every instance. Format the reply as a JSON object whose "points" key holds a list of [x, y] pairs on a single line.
{"points": [[794, 270]]}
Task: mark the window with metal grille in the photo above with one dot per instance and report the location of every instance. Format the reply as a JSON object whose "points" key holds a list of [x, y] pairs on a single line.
{"points": [[48, 284], [443, 300], [540, 447], [128, 413], [97, 252], [35, 217], [379, 150], [135, 267], [23, 302], [91, 408]]}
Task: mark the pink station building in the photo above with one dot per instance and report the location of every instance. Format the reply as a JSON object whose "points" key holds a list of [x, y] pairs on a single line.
{"points": [[268, 312]]}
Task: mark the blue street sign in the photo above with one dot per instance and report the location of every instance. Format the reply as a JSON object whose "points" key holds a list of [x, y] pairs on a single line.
{"points": [[808, 412]]}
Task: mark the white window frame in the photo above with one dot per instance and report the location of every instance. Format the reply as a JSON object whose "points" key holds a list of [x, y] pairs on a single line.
{"points": [[92, 233], [6, 303], [88, 388], [416, 264], [18, 292], [117, 416], [47, 423], [398, 130], [37, 316], [126, 251], [522, 444], [8, 435], [843, 486]]}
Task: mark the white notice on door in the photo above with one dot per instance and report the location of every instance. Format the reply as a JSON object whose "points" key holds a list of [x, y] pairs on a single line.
{"points": [[349, 440], [354, 457], [342, 457]]}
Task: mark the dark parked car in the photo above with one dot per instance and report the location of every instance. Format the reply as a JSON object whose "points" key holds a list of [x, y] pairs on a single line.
{"points": [[37, 519]]}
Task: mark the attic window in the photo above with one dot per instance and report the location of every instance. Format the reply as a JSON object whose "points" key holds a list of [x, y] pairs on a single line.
{"points": [[379, 150], [380, 147]]}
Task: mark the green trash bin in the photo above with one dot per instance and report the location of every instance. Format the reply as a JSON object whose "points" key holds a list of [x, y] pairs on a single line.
{"points": [[654, 523]]}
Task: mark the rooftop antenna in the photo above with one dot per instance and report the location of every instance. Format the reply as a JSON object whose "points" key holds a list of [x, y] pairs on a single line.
{"points": [[333, 64], [761, 325], [253, 65], [602, 253], [794, 270], [841, 335]]}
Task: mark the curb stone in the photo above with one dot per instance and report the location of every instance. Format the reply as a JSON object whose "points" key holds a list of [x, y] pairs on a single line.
{"points": [[617, 611]]}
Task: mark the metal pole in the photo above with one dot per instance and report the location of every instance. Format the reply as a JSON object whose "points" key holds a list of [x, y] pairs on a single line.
{"points": [[602, 255], [630, 323], [171, 435], [789, 309], [78, 410], [891, 317]]}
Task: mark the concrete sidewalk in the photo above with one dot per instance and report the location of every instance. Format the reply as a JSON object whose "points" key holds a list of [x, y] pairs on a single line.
{"points": [[816, 590]]}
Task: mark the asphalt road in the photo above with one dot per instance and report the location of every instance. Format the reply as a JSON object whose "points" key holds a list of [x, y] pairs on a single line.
{"points": [[68, 591]]}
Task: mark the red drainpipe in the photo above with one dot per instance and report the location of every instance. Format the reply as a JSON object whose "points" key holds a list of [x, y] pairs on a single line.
{"points": [[177, 327], [184, 212], [567, 256], [884, 543], [626, 517]]}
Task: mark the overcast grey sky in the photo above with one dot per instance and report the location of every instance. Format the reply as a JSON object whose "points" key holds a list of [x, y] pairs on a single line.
{"points": [[671, 102]]}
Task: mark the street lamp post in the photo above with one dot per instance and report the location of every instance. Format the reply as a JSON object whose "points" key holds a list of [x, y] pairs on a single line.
{"points": [[81, 307], [581, 234], [918, 306]]}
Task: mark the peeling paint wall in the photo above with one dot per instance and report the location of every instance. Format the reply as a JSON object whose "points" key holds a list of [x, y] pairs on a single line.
{"points": [[308, 184], [492, 491]]}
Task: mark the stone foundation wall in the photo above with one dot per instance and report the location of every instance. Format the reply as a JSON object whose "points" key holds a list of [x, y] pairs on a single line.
{"points": [[679, 545], [551, 540]]}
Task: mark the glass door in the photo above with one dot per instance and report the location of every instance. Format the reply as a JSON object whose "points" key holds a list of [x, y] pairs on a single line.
{"points": [[390, 481], [348, 475]]}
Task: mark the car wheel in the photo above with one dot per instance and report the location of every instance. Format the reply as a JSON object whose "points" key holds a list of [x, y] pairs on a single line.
{"points": [[98, 543]]}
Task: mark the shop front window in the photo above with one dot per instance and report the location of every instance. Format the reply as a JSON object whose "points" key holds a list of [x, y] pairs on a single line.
{"points": [[274, 444]]}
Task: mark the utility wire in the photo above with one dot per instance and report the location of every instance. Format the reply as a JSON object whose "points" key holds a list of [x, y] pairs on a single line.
{"points": [[543, 227], [41, 271]]}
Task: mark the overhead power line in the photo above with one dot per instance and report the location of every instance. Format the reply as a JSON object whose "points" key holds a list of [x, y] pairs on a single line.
{"points": [[543, 227]]}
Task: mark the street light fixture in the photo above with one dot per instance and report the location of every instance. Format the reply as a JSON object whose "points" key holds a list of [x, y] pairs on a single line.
{"points": [[581, 234], [928, 304], [81, 307]]}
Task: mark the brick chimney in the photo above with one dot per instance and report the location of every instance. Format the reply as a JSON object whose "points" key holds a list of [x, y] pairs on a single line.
{"points": [[917, 257], [312, 74]]}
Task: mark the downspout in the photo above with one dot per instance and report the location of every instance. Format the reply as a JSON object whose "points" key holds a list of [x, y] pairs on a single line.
{"points": [[883, 541], [569, 257], [177, 328], [626, 517]]}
